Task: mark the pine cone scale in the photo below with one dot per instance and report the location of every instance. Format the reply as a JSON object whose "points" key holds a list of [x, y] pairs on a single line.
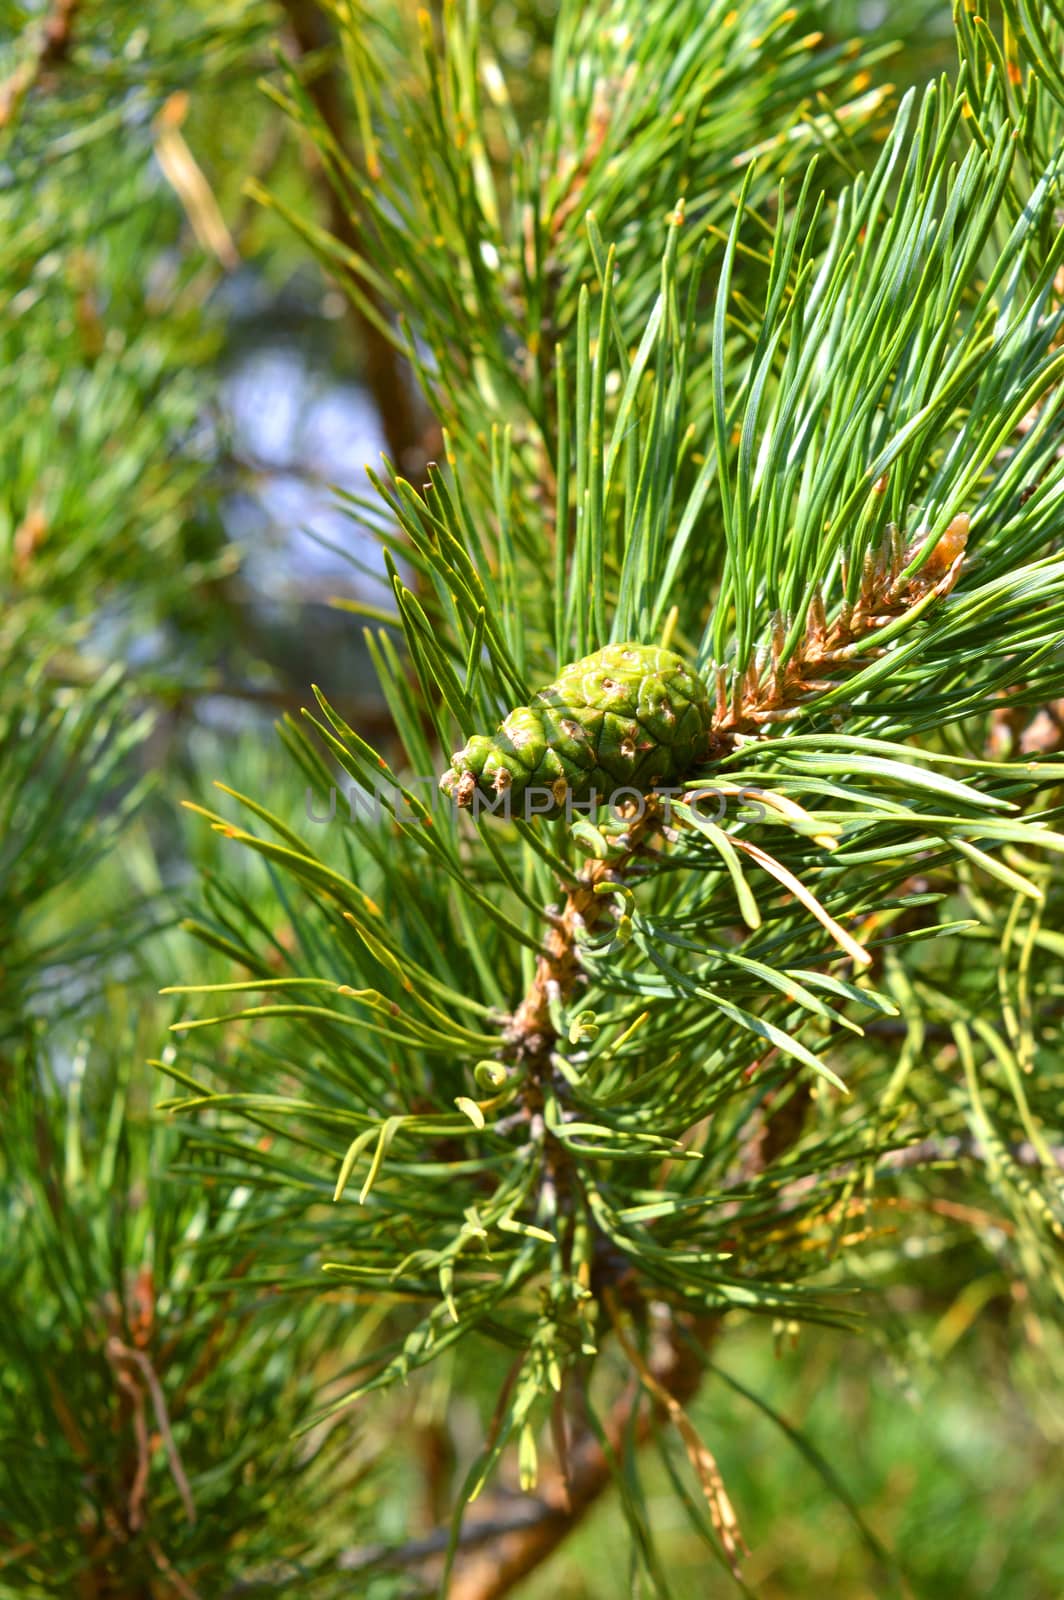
{"points": [[627, 717]]}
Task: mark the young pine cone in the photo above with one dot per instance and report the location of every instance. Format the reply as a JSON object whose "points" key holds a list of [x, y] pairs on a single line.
{"points": [[630, 716]]}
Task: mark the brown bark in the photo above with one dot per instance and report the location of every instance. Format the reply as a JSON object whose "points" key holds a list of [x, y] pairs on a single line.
{"points": [[493, 1571], [558, 967], [403, 420]]}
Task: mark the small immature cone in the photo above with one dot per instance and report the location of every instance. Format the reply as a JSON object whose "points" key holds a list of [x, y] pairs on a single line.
{"points": [[630, 716]]}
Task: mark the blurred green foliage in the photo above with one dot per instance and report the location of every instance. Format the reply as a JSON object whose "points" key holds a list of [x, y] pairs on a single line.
{"points": [[952, 1463]]}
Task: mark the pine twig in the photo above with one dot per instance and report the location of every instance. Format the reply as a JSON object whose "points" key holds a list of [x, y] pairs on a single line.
{"points": [[122, 1358], [828, 650], [531, 1032], [170, 1572]]}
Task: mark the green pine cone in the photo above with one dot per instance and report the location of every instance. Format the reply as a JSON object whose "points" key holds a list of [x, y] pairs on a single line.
{"points": [[630, 716]]}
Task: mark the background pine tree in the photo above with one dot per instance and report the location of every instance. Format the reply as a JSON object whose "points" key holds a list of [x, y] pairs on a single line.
{"points": [[502, 1153]]}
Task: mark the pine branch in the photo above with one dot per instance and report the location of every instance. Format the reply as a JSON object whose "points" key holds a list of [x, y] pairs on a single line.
{"points": [[888, 591], [520, 1535], [502, 1541]]}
